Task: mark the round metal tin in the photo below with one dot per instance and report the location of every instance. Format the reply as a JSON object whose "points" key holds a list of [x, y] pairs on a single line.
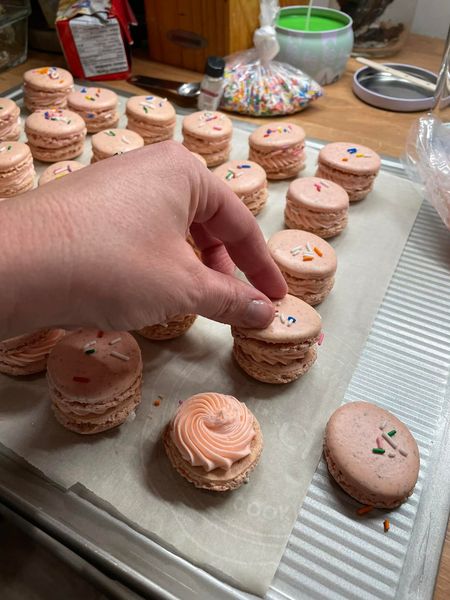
{"points": [[384, 90]]}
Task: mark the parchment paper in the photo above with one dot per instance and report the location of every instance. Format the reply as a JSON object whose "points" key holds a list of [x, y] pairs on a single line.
{"points": [[239, 536]]}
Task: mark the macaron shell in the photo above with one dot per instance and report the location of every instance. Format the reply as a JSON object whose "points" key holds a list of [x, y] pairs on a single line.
{"points": [[374, 479], [113, 141], [94, 99], [248, 177], [151, 108], [107, 375], [48, 78], [211, 125], [67, 123], [59, 170], [318, 194], [12, 154], [276, 134], [281, 244], [353, 158], [307, 326]]}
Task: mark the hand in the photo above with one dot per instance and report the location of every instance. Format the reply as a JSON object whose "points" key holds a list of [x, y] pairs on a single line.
{"points": [[106, 247]]}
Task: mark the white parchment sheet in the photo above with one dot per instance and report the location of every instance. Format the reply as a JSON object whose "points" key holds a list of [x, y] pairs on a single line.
{"points": [[239, 536]]}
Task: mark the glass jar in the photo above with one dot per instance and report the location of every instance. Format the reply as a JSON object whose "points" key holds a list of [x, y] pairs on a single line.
{"points": [[381, 27]]}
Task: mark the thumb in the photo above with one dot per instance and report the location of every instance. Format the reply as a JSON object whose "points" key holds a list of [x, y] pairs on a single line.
{"points": [[224, 298]]}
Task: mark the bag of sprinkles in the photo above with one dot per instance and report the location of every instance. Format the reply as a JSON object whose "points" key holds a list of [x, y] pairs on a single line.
{"points": [[257, 85]]}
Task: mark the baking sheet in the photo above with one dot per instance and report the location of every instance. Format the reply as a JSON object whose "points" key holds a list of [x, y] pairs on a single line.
{"points": [[240, 536]]}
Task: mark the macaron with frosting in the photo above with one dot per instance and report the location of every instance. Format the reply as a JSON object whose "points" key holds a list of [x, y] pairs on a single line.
{"points": [[247, 180], [27, 354], [55, 135], [173, 328], [59, 170], [213, 441], [286, 349], [371, 454], [96, 106], [9, 120], [112, 142], [208, 133], [316, 205], [152, 117], [94, 379], [46, 87], [352, 166], [307, 262], [279, 148], [16, 169]]}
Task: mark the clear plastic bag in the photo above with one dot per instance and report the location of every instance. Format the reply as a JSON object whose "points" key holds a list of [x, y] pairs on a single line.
{"points": [[257, 85]]}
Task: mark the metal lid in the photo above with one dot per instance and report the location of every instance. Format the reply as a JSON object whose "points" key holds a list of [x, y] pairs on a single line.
{"points": [[384, 90]]}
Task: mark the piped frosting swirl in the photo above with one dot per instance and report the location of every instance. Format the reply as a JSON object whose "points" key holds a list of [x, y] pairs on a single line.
{"points": [[213, 430]]}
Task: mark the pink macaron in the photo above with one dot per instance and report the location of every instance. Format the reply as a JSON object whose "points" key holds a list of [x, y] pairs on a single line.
{"points": [[371, 454], [152, 117], [316, 205], [352, 166], [9, 120], [247, 180], [59, 170], [27, 354], [279, 148], [46, 87], [16, 169], [208, 133], [96, 106], [112, 142], [55, 134]]}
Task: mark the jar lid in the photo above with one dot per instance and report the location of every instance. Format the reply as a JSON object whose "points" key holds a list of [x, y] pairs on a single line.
{"points": [[383, 90], [215, 66]]}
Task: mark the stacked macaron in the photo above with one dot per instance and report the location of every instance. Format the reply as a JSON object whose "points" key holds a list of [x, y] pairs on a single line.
{"points": [[112, 142], [213, 441], [352, 166], [9, 120], [94, 380], [279, 148], [55, 134], [59, 170], [371, 454], [247, 180], [152, 117], [16, 169], [208, 133], [286, 349], [27, 354], [307, 262], [46, 87], [316, 205], [96, 106], [173, 328]]}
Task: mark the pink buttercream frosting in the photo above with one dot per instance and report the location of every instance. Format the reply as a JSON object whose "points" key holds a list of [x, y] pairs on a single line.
{"points": [[34, 352], [282, 158], [213, 431]]}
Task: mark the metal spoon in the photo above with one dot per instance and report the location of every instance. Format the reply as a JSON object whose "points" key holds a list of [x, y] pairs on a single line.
{"points": [[184, 94]]}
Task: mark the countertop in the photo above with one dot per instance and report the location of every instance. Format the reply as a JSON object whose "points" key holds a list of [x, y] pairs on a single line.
{"points": [[338, 116]]}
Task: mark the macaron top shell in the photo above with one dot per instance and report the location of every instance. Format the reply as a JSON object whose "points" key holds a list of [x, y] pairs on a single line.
{"points": [[116, 141], [353, 158], [151, 108], [276, 135], [207, 124], [352, 433], [48, 78], [319, 195], [92, 98], [55, 123], [242, 176], [295, 321], [298, 252], [8, 108], [12, 154], [59, 170], [95, 376]]}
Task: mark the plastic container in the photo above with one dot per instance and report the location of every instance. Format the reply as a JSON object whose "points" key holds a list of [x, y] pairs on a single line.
{"points": [[13, 32]]}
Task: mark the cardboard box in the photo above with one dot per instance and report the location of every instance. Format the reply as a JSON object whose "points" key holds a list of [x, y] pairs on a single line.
{"points": [[95, 37]]}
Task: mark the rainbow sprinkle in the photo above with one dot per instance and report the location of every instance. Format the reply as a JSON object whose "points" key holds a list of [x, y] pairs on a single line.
{"points": [[115, 341], [391, 433], [318, 186], [291, 320], [378, 450], [110, 133], [90, 351], [120, 355], [320, 340], [80, 379], [364, 510], [352, 150], [386, 525], [389, 440]]}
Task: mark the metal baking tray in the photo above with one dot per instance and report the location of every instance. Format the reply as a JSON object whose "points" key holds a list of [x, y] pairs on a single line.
{"points": [[404, 367]]}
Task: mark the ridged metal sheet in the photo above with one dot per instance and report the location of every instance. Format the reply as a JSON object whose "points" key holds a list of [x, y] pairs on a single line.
{"points": [[333, 553]]}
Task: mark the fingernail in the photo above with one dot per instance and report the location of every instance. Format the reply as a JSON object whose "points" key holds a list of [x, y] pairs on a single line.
{"points": [[258, 314]]}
